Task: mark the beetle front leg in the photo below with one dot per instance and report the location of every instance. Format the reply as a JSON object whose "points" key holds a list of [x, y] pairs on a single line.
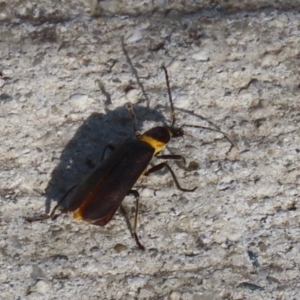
{"points": [[161, 166]]}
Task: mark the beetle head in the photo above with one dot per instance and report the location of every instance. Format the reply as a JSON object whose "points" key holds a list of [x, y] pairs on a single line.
{"points": [[176, 132]]}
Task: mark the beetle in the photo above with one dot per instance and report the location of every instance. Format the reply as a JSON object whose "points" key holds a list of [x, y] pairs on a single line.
{"points": [[97, 198]]}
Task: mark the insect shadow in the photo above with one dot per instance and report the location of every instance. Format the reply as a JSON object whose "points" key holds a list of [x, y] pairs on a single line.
{"points": [[83, 151]]}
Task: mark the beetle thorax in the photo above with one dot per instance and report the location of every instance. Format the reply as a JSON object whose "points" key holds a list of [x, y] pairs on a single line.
{"points": [[157, 137]]}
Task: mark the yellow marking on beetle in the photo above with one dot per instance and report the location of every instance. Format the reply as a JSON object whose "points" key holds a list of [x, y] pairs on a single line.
{"points": [[77, 214], [157, 145]]}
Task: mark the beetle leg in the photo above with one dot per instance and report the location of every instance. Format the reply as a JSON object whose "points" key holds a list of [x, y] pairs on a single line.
{"points": [[53, 216], [137, 197], [36, 218], [108, 146], [162, 165], [172, 156], [136, 194]]}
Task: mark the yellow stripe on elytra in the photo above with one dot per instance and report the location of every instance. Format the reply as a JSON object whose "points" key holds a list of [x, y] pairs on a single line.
{"points": [[157, 145], [77, 214]]}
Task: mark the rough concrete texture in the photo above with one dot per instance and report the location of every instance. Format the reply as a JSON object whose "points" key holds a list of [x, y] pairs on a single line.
{"points": [[65, 80]]}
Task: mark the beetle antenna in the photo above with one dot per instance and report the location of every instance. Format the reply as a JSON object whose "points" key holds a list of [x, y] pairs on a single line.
{"points": [[233, 144], [133, 117], [173, 118]]}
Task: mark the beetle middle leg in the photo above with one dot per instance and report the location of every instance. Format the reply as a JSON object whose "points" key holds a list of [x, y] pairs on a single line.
{"points": [[136, 194], [108, 146], [163, 165]]}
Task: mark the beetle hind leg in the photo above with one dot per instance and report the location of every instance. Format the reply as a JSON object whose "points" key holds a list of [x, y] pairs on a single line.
{"points": [[136, 195]]}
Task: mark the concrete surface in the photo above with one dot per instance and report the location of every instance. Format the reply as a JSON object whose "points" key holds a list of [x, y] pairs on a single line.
{"points": [[65, 79]]}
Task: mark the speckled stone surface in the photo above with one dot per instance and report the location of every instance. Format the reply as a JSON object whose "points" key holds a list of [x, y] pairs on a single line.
{"points": [[65, 77]]}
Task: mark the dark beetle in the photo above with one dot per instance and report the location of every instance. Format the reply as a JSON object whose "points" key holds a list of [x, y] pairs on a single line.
{"points": [[97, 198]]}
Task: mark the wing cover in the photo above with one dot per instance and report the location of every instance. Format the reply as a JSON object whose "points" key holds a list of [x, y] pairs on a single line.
{"points": [[98, 197]]}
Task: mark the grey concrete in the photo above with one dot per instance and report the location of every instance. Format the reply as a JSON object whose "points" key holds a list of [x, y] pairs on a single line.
{"points": [[65, 80]]}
